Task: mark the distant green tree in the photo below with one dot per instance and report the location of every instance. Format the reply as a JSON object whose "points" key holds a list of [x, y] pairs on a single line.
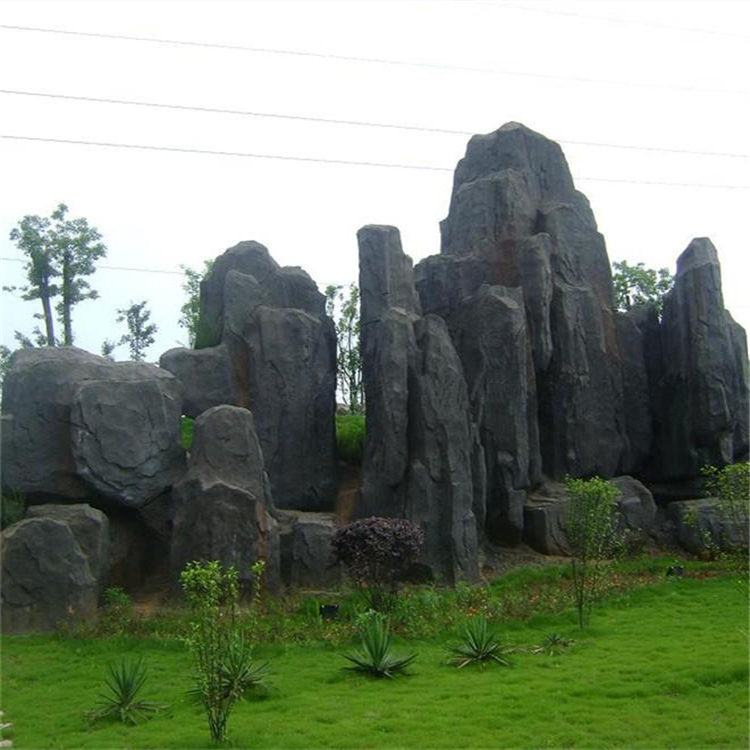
{"points": [[5, 355], [140, 333], [343, 308], [638, 285], [192, 308], [61, 253], [108, 347]]}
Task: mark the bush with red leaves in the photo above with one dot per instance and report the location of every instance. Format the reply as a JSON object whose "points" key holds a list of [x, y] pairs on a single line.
{"points": [[377, 552]]}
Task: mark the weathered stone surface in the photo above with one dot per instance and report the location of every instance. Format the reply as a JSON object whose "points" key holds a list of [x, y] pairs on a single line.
{"points": [[46, 577], [306, 559], [126, 437], [545, 514], [48, 451], [490, 335], [421, 449], [223, 505], [292, 389], [516, 220], [206, 377], [280, 363], [278, 287], [439, 483], [132, 550], [90, 527], [703, 417], [701, 527]]}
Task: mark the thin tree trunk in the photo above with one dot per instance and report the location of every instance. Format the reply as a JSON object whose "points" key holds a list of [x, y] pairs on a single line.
{"points": [[49, 322]]}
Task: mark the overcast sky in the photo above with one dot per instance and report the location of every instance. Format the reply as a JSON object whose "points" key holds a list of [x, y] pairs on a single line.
{"points": [[669, 75]]}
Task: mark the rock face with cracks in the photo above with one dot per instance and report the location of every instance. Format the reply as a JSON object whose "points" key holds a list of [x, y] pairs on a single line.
{"points": [[266, 344], [223, 505]]}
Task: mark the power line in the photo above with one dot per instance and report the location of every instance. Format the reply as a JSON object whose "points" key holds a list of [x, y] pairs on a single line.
{"points": [[334, 121], [111, 268], [338, 162], [371, 60], [614, 19]]}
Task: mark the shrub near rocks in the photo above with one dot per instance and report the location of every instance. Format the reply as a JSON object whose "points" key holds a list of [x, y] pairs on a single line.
{"points": [[377, 553]]}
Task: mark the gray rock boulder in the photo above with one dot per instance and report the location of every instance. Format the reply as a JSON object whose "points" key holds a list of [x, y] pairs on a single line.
{"points": [[46, 577], [90, 528], [126, 437], [545, 515], [702, 528], [223, 505], [703, 418], [77, 426], [306, 559], [206, 376]]}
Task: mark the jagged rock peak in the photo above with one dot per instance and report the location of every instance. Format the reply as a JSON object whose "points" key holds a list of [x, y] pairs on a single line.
{"points": [[699, 252]]}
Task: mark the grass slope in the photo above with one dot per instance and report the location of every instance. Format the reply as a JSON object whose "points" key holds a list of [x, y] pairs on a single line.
{"points": [[663, 666]]}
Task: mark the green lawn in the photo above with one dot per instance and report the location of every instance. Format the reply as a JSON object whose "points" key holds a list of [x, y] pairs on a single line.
{"points": [[664, 666]]}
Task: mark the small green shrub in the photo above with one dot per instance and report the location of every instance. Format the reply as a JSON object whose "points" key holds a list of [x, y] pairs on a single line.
{"points": [[224, 667], [121, 701], [593, 537], [116, 614], [350, 438], [12, 508], [188, 430], [552, 645], [376, 658], [480, 646]]}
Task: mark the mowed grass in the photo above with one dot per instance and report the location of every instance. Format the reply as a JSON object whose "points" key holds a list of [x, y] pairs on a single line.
{"points": [[661, 667]]}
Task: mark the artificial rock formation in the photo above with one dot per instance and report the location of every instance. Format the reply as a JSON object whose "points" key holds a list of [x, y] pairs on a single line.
{"points": [[266, 344], [90, 528], [46, 577], [420, 446], [223, 505], [80, 426]]}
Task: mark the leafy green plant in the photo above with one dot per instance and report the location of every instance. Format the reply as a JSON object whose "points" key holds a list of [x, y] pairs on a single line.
{"points": [[552, 645], [593, 537], [187, 427], [224, 666], [12, 508], [121, 701], [480, 646], [376, 658], [117, 611], [350, 438], [638, 285]]}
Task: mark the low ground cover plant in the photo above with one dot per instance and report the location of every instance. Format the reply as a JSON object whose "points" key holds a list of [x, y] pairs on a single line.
{"points": [[350, 438]]}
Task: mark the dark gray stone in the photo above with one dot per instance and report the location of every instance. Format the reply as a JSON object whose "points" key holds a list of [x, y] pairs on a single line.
{"points": [[306, 559], [126, 437], [131, 550], [490, 335], [90, 527], [545, 515], [46, 577], [223, 505], [206, 376], [703, 417], [48, 452], [702, 527]]}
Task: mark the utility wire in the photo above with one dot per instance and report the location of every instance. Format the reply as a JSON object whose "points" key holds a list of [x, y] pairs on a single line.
{"points": [[334, 121], [321, 160], [371, 60], [613, 19]]}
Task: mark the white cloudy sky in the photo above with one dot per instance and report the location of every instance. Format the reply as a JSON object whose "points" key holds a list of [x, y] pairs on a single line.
{"points": [[661, 74]]}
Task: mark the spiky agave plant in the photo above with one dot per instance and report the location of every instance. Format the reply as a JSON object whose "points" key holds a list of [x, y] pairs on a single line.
{"points": [[121, 700], [376, 658], [552, 645], [480, 646]]}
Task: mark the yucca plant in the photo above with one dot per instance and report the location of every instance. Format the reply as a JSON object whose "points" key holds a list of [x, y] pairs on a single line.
{"points": [[121, 701], [238, 671], [480, 646], [552, 645], [375, 658]]}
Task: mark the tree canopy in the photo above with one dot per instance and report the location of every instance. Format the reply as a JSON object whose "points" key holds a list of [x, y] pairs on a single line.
{"points": [[638, 285]]}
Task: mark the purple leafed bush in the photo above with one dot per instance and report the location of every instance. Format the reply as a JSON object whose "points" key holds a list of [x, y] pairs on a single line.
{"points": [[376, 553]]}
